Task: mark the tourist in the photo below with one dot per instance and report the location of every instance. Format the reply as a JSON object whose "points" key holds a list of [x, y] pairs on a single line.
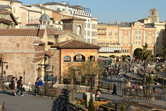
{"points": [[19, 86], [98, 92], [36, 85], [114, 90], [12, 86]]}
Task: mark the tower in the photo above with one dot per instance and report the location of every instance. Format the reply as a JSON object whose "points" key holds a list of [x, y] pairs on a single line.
{"points": [[44, 21], [153, 15]]}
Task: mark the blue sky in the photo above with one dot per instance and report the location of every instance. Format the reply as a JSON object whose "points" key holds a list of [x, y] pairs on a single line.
{"points": [[108, 11]]}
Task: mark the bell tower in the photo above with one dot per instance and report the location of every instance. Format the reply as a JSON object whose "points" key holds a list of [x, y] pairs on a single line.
{"points": [[153, 15]]}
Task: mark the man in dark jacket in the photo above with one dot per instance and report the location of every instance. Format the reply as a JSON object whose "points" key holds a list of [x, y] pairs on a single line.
{"points": [[114, 90], [12, 86], [19, 86]]}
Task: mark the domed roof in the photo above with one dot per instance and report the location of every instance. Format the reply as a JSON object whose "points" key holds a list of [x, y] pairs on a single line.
{"points": [[44, 17]]}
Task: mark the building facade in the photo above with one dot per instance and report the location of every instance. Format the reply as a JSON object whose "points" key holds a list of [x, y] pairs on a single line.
{"points": [[90, 34], [123, 39]]}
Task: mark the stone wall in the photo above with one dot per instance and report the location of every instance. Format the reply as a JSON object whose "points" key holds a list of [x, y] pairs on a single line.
{"points": [[22, 56]]}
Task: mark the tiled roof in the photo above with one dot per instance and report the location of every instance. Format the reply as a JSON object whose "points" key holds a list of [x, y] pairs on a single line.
{"points": [[22, 32], [53, 31], [75, 44], [48, 53]]}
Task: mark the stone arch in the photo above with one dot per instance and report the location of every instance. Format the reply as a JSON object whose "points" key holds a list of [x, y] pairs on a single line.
{"points": [[79, 58], [78, 30]]}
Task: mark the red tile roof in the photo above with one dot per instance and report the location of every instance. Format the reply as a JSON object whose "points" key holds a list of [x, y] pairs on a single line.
{"points": [[22, 32], [75, 44]]}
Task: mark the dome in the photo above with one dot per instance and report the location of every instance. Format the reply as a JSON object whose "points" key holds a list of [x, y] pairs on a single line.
{"points": [[44, 17]]}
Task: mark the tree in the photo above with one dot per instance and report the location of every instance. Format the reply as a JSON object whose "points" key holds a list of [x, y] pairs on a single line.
{"points": [[123, 107], [124, 57], [164, 51], [146, 54], [88, 67], [112, 56], [91, 104], [138, 53]]}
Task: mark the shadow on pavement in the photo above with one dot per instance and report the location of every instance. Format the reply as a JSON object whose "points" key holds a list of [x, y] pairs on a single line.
{"points": [[6, 92]]}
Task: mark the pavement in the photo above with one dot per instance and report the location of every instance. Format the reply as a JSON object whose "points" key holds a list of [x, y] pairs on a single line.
{"points": [[28, 102]]}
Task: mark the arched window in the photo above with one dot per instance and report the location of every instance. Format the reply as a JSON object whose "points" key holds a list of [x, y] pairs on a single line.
{"points": [[78, 30], [79, 58], [91, 58], [67, 59]]}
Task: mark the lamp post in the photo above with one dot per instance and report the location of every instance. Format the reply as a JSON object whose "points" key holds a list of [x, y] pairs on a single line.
{"points": [[1, 64], [45, 75], [24, 75]]}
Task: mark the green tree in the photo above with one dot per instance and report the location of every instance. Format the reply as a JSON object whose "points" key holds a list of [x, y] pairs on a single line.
{"points": [[123, 107], [138, 53], [91, 104], [112, 56], [164, 51], [146, 54]]}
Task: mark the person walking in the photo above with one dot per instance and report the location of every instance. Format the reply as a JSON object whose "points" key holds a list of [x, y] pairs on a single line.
{"points": [[114, 90], [19, 86], [36, 85], [12, 86]]}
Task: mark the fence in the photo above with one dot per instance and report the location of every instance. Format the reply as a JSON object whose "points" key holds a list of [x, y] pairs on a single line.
{"points": [[137, 93]]}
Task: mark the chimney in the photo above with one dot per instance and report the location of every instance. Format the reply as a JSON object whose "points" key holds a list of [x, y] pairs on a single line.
{"points": [[117, 22]]}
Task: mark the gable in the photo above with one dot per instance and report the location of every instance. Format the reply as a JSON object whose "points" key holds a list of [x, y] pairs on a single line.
{"points": [[66, 37]]}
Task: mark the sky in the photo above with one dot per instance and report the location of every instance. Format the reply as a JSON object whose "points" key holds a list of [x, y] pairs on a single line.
{"points": [[108, 11]]}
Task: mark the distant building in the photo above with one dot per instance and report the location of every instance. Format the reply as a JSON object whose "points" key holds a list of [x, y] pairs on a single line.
{"points": [[7, 19], [90, 25], [123, 39]]}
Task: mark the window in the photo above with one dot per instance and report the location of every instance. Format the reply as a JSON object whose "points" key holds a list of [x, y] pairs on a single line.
{"points": [[121, 31], [88, 40], [88, 33], [103, 32], [103, 37], [85, 33], [91, 58], [121, 37], [145, 32], [116, 37], [110, 37], [146, 37], [85, 25], [67, 59], [79, 58], [78, 30], [110, 32], [88, 25], [58, 9]]}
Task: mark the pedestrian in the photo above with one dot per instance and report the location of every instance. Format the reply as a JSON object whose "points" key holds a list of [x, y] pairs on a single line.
{"points": [[19, 86], [12, 86], [114, 90], [36, 85]]}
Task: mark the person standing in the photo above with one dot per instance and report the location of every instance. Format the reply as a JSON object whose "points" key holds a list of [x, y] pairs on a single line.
{"points": [[12, 86], [19, 86], [114, 90]]}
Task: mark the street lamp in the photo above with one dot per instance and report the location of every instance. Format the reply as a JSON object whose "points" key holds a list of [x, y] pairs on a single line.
{"points": [[1, 64], [45, 74]]}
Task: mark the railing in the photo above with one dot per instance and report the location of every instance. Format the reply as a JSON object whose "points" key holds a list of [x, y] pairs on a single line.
{"points": [[137, 93]]}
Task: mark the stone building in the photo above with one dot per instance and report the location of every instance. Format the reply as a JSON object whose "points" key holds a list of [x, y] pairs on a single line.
{"points": [[71, 52], [7, 19], [23, 50]]}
